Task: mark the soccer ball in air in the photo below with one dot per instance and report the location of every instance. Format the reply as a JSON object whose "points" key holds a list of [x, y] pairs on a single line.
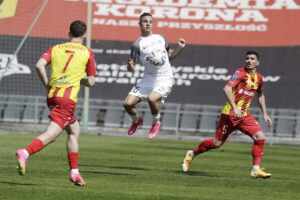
{"points": [[157, 57]]}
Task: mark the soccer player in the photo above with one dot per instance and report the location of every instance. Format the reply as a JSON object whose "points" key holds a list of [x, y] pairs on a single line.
{"points": [[158, 78], [239, 92], [70, 62]]}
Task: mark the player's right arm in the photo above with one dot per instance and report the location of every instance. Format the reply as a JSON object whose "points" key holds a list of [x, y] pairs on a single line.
{"points": [[130, 65], [134, 56], [41, 70], [229, 96]]}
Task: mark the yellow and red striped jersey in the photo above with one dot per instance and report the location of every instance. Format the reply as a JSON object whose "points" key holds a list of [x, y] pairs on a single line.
{"points": [[244, 87], [70, 61]]}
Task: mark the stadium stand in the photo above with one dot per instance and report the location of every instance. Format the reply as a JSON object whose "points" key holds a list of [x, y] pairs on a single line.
{"points": [[44, 115], [286, 122], [209, 118], [115, 113], [170, 116], [31, 110], [14, 109], [189, 117], [179, 119]]}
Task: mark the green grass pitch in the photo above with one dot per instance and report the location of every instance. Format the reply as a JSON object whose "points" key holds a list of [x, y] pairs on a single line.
{"points": [[121, 168]]}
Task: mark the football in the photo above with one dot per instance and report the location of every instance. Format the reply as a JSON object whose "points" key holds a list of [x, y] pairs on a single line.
{"points": [[157, 57]]}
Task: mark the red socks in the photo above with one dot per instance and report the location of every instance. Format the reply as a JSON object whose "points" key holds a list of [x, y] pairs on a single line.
{"points": [[73, 160], [257, 151], [35, 146], [205, 146]]}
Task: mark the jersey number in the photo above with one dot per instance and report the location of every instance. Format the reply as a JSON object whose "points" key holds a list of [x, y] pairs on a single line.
{"points": [[69, 60], [224, 129], [136, 88]]}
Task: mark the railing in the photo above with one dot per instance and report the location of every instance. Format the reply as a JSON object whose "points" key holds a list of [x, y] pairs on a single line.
{"points": [[179, 119]]}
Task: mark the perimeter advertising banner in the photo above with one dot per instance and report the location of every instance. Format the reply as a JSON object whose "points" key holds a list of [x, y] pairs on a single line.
{"points": [[218, 33]]}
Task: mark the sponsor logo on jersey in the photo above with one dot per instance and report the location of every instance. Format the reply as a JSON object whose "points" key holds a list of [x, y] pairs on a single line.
{"points": [[235, 77]]}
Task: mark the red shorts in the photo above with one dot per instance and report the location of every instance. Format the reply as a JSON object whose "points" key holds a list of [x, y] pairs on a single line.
{"points": [[227, 124], [62, 111]]}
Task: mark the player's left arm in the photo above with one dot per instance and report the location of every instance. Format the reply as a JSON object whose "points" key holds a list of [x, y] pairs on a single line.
{"points": [[90, 71], [263, 107], [88, 82], [174, 53], [41, 70]]}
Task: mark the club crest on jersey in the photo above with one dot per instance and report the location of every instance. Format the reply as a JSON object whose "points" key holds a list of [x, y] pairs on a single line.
{"points": [[235, 77]]}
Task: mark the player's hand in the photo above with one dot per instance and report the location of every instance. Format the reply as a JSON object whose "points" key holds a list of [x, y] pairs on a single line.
{"points": [[238, 113], [130, 64], [181, 42], [268, 120]]}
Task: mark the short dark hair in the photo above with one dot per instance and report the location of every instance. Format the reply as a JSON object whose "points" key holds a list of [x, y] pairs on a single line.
{"points": [[145, 14], [77, 28], [253, 52]]}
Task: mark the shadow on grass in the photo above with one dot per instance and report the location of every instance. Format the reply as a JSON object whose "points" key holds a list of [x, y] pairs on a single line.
{"points": [[108, 173], [114, 167], [195, 173], [158, 146], [14, 184]]}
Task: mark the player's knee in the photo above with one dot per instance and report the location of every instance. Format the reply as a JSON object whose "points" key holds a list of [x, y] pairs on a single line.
{"points": [[126, 104], [151, 99], [129, 103], [259, 136]]}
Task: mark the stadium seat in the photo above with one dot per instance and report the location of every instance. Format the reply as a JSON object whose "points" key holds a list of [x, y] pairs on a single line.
{"points": [[31, 111], [209, 118], [97, 111], [285, 122], [170, 116], [14, 110], [297, 128], [79, 113], [190, 117], [44, 115], [115, 113], [148, 119], [3, 104]]}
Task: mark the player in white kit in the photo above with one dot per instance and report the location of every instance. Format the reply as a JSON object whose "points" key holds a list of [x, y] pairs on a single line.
{"points": [[149, 50]]}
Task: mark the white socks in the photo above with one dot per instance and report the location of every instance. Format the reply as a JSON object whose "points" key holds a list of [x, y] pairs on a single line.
{"points": [[192, 154], [255, 167], [155, 118], [134, 118], [26, 153], [75, 170]]}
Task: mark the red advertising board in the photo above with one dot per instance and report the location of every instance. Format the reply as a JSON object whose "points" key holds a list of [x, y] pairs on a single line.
{"points": [[200, 22]]}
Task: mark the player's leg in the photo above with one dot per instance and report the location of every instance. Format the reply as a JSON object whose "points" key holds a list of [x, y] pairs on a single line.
{"points": [[224, 129], [130, 107], [73, 131], [250, 127], [36, 145], [154, 99], [162, 87]]}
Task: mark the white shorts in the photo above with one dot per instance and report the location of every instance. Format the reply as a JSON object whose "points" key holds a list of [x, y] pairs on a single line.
{"points": [[162, 85]]}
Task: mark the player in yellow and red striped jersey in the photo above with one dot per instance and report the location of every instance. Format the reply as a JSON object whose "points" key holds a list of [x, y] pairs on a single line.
{"points": [[70, 62], [239, 92]]}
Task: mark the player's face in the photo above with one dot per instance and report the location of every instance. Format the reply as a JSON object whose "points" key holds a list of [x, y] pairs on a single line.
{"points": [[146, 25], [251, 61]]}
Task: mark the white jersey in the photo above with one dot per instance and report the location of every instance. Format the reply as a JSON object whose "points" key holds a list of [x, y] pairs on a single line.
{"points": [[143, 47]]}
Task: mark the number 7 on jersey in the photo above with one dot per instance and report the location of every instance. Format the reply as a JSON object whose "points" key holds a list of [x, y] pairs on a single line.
{"points": [[69, 60]]}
